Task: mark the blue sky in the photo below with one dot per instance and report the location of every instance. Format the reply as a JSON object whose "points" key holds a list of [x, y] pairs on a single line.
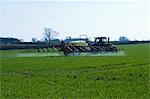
{"points": [[27, 19]]}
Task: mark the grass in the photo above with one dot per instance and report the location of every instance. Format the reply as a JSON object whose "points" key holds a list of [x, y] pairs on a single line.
{"points": [[77, 77]]}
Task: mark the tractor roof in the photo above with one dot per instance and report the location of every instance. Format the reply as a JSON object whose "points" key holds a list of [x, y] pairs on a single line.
{"points": [[100, 37]]}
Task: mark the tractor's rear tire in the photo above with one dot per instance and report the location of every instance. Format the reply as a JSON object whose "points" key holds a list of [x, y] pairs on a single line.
{"points": [[114, 49]]}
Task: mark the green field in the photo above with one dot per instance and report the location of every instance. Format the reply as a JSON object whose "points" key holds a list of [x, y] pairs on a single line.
{"points": [[77, 77]]}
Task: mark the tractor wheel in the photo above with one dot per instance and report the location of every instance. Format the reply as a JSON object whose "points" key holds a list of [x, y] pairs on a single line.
{"points": [[103, 50], [114, 49]]}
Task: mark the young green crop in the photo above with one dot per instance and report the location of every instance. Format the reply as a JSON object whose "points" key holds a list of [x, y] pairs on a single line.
{"points": [[77, 77]]}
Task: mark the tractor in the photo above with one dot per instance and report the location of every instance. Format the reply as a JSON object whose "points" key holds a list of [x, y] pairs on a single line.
{"points": [[100, 45]]}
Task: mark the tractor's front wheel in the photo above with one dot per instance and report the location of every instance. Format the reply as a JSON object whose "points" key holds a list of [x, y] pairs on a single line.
{"points": [[114, 49]]}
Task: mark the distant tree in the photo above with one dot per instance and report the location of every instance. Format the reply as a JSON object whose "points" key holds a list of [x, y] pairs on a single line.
{"points": [[34, 40], [46, 40], [21, 40], [123, 39], [69, 37], [50, 34]]}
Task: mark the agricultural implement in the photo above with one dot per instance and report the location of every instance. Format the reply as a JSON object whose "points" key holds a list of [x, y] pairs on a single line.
{"points": [[100, 45]]}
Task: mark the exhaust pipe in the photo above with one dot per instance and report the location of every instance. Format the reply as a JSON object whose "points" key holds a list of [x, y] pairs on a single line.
{"points": [[108, 39]]}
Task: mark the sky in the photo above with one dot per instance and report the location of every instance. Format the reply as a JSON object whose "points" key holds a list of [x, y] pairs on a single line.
{"points": [[27, 19]]}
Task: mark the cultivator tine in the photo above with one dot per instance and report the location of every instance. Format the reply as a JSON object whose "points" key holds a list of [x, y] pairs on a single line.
{"points": [[82, 49], [70, 48], [88, 48], [93, 48], [76, 49], [98, 48]]}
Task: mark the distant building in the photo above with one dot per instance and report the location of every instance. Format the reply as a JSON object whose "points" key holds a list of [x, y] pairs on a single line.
{"points": [[9, 41], [123, 39]]}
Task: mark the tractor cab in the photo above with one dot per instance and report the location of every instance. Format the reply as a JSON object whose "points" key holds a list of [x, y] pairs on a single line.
{"points": [[101, 41]]}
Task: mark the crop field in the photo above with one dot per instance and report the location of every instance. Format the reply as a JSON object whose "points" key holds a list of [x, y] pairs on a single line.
{"points": [[96, 77]]}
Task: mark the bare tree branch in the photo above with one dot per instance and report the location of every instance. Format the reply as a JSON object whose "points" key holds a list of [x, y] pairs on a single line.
{"points": [[50, 34]]}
